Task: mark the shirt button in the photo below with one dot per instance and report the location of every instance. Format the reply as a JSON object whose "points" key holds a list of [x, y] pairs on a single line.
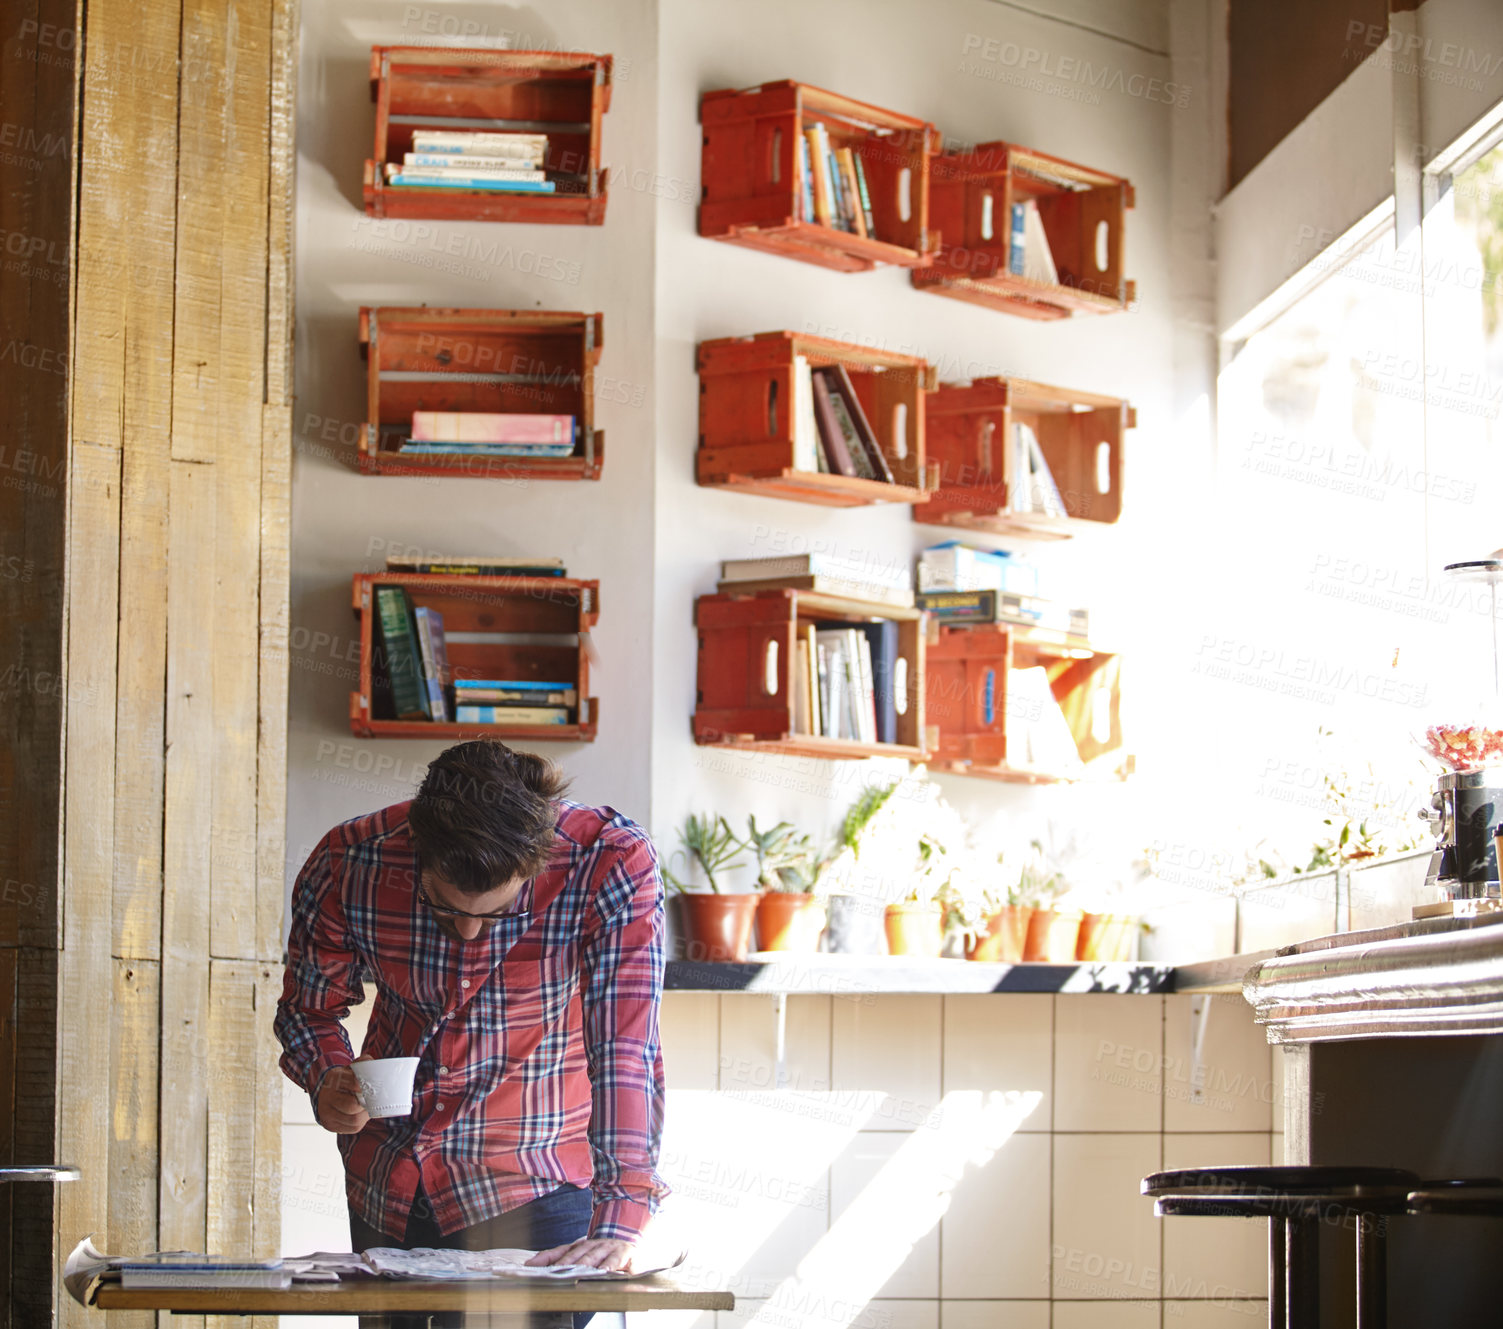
{"points": [[443, 1070], [438, 1107], [464, 982]]}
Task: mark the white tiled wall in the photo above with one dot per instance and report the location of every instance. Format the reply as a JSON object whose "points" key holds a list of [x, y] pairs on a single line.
{"points": [[963, 1162]]}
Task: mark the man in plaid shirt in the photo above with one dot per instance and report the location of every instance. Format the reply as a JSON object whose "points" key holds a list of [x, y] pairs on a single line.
{"points": [[515, 939]]}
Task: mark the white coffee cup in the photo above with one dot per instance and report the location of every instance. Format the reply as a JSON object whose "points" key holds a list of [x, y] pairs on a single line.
{"points": [[386, 1085]]}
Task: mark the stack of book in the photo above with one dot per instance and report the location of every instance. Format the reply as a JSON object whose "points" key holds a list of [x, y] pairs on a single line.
{"points": [[830, 430], [513, 701], [844, 681], [498, 163], [824, 574], [961, 586], [490, 434], [476, 565], [834, 184]]}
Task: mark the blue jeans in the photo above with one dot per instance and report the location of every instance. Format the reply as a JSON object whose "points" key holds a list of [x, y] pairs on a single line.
{"points": [[554, 1219]]}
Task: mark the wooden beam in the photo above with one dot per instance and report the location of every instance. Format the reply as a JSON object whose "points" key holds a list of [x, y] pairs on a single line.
{"points": [[232, 1111], [86, 967], [186, 856], [133, 1153], [133, 212]]}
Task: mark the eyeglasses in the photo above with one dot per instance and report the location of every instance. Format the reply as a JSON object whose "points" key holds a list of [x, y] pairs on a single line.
{"points": [[445, 911]]}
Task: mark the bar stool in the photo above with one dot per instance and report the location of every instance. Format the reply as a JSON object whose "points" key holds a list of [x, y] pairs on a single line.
{"points": [[1479, 1198], [1295, 1201]]}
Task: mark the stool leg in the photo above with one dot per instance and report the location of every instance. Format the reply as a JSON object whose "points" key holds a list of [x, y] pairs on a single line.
{"points": [[1302, 1271], [1278, 1315], [1372, 1272]]}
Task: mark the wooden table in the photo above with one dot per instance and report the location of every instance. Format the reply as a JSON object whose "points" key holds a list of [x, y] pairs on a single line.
{"points": [[374, 1295]]}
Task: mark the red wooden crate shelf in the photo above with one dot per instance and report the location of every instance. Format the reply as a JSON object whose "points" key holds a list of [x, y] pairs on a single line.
{"points": [[492, 627], [562, 94], [746, 424], [970, 715], [968, 429], [504, 360], [752, 187], [971, 198], [747, 657]]}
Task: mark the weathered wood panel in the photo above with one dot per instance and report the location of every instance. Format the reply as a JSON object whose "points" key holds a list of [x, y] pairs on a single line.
{"points": [[134, 1042]]}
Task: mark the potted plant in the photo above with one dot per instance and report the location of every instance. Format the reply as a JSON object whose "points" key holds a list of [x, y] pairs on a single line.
{"points": [[994, 918], [1052, 930], [790, 916], [855, 922], [915, 924], [717, 924]]}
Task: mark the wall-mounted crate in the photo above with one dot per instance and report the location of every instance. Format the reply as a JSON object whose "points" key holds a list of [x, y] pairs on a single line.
{"points": [[747, 424], [752, 180], [528, 628], [747, 657], [974, 722], [481, 360], [562, 94], [968, 433], [971, 197]]}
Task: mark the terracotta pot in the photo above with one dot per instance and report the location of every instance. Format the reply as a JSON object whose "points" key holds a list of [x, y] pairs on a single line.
{"points": [[1106, 937], [914, 929], [1052, 936], [789, 921], [716, 927], [1004, 937]]}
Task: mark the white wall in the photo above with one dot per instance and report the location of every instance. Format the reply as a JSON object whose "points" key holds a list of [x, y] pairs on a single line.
{"points": [[974, 69]]}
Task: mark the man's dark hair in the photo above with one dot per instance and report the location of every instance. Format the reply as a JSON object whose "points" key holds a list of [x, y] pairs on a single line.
{"points": [[485, 815]]}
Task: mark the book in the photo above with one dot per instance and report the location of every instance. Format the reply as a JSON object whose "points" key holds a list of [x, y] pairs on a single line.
{"points": [[801, 698], [409, 180], [1016, 240], [846, 423], [953, 566], [819, 174], [491, 427], [840, 381], [430, 635], [512, 163], [472, 170], [823, 677], [864, 194], [416, 449], [806, 178], [517, 715], [840, 204], [477, 565], [404, 666], [959, 608], [866, 712], [878, 572], [807, 454], [882, 643], [561, 696], [842, 586], [831, 436], [495, 142], [851, 187], [1038, 262], [1045, 492], [515, 684], [810, 644]]}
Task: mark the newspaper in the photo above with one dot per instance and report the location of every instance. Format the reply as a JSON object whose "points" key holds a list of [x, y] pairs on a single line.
{"points": [[469, 1266]]}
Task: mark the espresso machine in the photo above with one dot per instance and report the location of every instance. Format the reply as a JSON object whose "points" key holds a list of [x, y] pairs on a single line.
{"points": [[1467, 805]]}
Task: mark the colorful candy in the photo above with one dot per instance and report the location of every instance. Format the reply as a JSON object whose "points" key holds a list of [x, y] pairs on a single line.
{"points": [[1465, 747]]}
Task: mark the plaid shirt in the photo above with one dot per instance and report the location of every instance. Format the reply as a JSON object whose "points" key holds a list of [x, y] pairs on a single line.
{"points": [[538, 1041]]}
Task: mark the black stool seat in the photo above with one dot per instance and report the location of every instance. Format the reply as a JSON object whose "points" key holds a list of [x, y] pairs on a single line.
{"points": [[1297, 1201], [1481, 1197], [1318, 1183]]}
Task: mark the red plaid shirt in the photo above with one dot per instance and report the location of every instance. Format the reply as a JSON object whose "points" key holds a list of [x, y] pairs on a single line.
{"points": [[539, 1041]]}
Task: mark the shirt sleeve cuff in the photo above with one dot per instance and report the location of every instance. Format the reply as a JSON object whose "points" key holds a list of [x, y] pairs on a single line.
{"points": [[619, 1220]]}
